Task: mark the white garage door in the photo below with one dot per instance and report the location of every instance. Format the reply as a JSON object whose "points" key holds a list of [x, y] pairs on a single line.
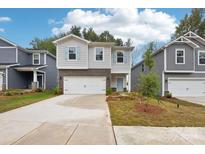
{"points": [[84, 85], [187, 87], [1, 81]]}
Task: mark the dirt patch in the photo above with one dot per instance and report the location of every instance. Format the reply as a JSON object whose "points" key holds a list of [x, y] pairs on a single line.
{"points": [[149, 109]]}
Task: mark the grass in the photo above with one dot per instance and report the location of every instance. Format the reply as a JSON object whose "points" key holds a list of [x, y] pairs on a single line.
{"points": [[124, 111], [12, 102]]}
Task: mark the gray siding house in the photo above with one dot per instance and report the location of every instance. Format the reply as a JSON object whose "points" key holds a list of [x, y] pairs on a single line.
{"points": [[23, 69], [180, 65], [91, 67]]}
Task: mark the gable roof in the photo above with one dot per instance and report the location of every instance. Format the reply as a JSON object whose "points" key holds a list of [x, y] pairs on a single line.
{"points": [[6, 40], [41, 51], [70, 35], [193, 35]]}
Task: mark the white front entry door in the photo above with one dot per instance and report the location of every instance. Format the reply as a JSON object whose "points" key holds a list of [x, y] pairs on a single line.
{"points": [[1, 82], [84, 85], [186, 87]]}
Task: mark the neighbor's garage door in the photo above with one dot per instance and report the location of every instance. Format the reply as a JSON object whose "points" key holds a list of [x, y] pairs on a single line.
{"points": [[84, 85], [1, 81], [187, 87]]}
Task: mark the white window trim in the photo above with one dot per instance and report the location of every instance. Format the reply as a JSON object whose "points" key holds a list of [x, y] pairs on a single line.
{"points": [[123, 57], [95, 54], [183, 56], [200, 51], [69, 54], [39, 58], [45, 54]]}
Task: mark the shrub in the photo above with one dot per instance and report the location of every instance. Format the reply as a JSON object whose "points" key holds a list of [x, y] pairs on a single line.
{"points": [[109, 91], [8, 93], [168, 94], [38, 90], [57, 90]]}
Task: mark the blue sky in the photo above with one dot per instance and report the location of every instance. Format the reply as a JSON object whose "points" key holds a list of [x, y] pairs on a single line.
{"points": [[27, 24]]}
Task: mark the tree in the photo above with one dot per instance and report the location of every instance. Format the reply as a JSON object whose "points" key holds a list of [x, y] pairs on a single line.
{"points": [[44, 44], [119, 42], [148, 61], [106, 37], [90, 35], [193, 22], [75, 30], [149, 85], [129, 42]]}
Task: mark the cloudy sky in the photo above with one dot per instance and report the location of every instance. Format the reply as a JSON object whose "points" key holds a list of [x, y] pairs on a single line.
{"points": [[141, 25]]}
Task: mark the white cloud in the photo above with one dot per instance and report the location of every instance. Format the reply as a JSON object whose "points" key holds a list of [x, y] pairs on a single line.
{"points": [[2, 30], [5, 19], [141, 27]]}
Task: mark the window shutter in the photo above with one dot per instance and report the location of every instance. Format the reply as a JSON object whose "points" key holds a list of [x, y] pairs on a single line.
{"points": [[66, 53], [78, 53], [125, 58], [114, 56]]}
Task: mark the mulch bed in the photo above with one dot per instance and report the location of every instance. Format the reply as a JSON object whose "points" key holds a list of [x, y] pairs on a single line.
{"points": [[150, 109]]}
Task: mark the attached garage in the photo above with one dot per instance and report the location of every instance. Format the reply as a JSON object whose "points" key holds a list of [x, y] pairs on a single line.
{"points": [[186, 86], [84, 84]]}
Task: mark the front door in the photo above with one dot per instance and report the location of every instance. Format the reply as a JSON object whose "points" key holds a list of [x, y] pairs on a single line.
{"points": [[40, 81], [119, 84]]}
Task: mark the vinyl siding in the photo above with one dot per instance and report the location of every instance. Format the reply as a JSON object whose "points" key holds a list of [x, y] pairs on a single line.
{"points": [[106, 63], [7, 55], [121, 68], [4, 43], [82, 62], [189, 58]]}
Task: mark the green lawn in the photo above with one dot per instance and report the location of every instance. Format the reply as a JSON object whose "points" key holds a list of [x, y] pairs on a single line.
{"points": [[12, 102], [127, 111]]}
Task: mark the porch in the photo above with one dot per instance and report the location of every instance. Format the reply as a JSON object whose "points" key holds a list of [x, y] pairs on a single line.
{"points": [[120, 82], [33, 77]]}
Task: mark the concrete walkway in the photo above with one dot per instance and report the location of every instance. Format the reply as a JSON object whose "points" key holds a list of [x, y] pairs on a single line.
{"points": [[65, 119], [159, 135], [197, 100]]}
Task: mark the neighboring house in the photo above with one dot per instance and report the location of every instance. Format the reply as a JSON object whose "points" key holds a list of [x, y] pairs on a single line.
{"points": [[25, 69], [180, 65], [86, 67]]}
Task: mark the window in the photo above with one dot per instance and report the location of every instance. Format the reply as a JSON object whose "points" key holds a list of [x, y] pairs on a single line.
{"points": [[180, 56], [201, 58], [36, 58], [120, 58], [99, 54], [142, 67], [72, 53]]}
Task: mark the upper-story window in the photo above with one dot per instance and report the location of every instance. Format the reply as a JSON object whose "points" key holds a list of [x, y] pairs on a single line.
{"points": [[36, 58], [120, 57], [72, 53], [180, 56], [99, 54], [201, 58]]}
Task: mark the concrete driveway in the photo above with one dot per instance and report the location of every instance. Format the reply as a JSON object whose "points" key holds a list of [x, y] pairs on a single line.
{"points": [[65, 119], [197, 100]]}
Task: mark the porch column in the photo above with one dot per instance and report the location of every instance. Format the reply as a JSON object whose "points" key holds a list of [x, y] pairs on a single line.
{"points": [[129, 81], [34, 83]]}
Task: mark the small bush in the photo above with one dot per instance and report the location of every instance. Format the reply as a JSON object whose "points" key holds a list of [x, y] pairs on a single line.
{"points": [[57, 90], [39, 90], [168, 94], [109, 91], [8, 93]]}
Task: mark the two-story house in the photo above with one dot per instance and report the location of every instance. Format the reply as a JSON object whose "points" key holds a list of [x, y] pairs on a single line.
{"points": [[25, 69], [87, 67], [180, 65]]}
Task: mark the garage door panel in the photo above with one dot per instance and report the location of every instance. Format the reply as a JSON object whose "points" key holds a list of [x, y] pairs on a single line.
{"points": [[187, 87], [84, 85]]}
